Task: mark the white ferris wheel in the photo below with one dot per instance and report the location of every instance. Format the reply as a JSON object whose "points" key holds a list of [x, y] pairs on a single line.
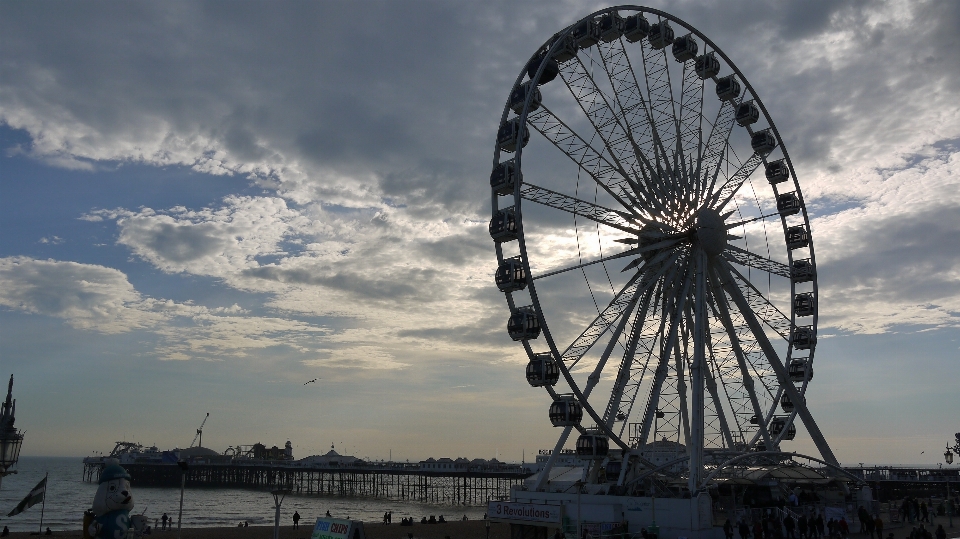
{"points": [[654, 249]]}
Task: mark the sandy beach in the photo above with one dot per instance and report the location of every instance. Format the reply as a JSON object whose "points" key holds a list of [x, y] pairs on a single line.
{"points": [[471, 529]]}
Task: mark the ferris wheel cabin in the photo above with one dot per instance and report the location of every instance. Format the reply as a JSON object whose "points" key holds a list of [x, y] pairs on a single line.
{"points": [[542, 371], [707, 66], [800, 369], [512, 135], [566, 50], [592, 445], [804, 304], [777, 172], [763, 142], [523, 324], [802, 271], [635, 28], [788, 204], [611, 27], [685, 48], [777, 426], [504, 177], [586, 34], [550, 72], [787, 405], [566, 411], [519, 96], [660, 35], [797, 237], [728, 88], [503, 225], [511, 276], [747, 114], [804, 337]]}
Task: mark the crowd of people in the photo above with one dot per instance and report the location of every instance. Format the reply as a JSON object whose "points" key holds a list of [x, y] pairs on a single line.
{"points": [[778, 524]]}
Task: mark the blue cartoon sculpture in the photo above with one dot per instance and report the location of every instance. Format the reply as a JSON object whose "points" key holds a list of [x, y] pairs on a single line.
{"points": [[112, 503]]}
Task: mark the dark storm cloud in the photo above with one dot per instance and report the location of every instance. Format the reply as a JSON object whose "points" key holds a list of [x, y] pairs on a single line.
{"points": [[374, 86]]}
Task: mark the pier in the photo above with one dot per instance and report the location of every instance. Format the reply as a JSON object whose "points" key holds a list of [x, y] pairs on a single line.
{"points": [[398, 481]]}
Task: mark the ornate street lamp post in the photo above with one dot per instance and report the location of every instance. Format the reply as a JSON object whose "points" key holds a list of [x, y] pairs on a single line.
{"points": [[10, 438], [948, 456]]}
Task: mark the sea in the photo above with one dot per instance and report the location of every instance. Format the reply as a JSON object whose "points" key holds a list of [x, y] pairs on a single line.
{"points": [[68, 496]]}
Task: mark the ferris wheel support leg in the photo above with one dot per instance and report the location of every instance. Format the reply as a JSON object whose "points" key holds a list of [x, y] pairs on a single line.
{"points": [[720, 304], [696, 371], [778, 367], [545, 471]]}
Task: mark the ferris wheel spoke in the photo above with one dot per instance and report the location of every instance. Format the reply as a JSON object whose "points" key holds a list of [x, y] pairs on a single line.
{"points": [[800, 404], [721, 310], [690, 126], [662, 106], [664, 245], [761, 306], [666, 351], [717, 142], [729, 189], [728, 372], [711, 381], [612, 179], [639, 283], [626, 373], [605, 121], [755, 261], [636, 116], [552, 199]]}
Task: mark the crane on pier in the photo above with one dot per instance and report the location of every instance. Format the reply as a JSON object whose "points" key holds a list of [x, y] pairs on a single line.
{"points": [[200, 431]]}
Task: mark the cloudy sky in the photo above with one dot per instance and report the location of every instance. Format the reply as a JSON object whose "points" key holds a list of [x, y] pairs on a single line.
{"points": [[204, 205]]}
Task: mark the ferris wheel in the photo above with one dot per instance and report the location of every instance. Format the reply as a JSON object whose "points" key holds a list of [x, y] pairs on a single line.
{"points": [[654, 246]]}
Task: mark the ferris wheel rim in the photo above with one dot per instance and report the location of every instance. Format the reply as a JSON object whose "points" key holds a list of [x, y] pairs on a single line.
{"points": [[548, 49]]}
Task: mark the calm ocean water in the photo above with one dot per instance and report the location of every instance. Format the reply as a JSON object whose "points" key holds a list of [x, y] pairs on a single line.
{"points": [[68, 496]]}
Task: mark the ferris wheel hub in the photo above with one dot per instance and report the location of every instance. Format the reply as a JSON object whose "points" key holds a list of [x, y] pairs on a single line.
{"points": [[710, 231]]}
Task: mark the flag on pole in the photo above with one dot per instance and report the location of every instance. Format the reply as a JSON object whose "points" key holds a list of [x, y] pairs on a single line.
{"points": [[36, 496]]}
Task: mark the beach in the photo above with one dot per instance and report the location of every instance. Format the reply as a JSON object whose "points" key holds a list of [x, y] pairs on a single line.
{"points": [[471, 529]]}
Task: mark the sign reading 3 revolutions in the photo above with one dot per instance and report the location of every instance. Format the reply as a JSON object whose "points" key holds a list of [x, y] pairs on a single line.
{"points": [[524, 512]]}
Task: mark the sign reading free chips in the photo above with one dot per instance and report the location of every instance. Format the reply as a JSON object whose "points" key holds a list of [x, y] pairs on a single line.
{"points": [[332, 528]]}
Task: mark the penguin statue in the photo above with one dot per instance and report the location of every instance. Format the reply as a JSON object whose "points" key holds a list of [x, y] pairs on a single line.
{"points": [[112, 503]]}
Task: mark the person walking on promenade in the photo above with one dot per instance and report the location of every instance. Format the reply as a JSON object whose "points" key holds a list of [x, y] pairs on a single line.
{"points": [[924, 513], [789, 525], [164, 519], [941, 533], [802, 526], [878, 525], [296, 520], [728, 529], [744, 529], [862, 516]]}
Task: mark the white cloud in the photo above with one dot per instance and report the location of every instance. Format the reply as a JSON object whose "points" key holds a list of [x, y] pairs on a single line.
{"points": [[894, 260], [88, 296], [101, 299]]}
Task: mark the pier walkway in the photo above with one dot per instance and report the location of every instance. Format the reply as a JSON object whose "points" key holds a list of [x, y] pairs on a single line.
{"points": [[398, 481]]}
